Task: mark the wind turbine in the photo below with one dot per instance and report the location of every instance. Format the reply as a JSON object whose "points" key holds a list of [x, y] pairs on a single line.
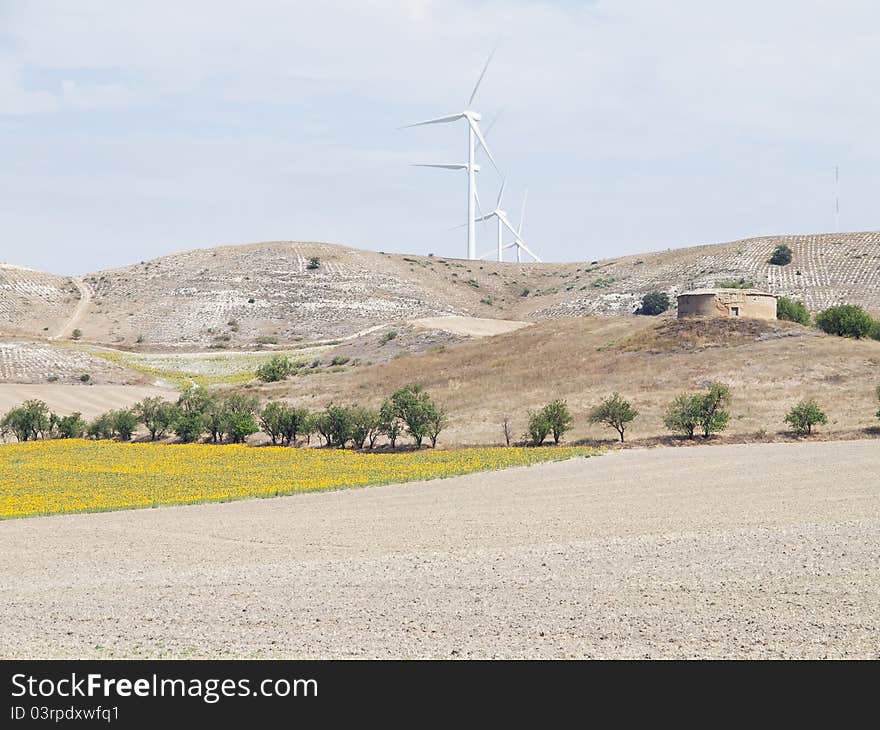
{"points": [[474, 135], [518, 242], [500, 216]]}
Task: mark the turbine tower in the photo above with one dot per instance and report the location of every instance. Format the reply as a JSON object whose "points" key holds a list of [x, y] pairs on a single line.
{"points": [[474, 135]]}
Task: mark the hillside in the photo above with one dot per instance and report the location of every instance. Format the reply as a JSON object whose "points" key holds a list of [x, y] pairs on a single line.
{"points": [[769, 366], [264, 294], [33, 302]]}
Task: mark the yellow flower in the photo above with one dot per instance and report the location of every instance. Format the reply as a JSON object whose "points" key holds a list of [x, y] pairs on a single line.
{"points": [[49, 477]]}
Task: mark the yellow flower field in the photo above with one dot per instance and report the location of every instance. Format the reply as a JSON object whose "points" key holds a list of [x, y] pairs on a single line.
{"points": [[49, 477]]}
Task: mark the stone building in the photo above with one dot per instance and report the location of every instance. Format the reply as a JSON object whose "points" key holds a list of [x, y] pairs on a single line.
{"points": [[727, 303]]}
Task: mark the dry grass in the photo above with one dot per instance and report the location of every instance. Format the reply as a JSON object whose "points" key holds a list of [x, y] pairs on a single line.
{"points": [[583, 360]]}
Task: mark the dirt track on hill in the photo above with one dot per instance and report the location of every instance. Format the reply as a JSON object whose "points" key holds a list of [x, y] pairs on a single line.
{"points": [[766, 550]]}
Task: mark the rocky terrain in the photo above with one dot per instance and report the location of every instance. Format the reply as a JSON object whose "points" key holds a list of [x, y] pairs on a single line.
{"points": [[261, 294]]}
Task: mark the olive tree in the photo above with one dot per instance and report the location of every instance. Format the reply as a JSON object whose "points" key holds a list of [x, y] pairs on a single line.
{"points": [[804, 416], [157, 415], [615, 412], [123, 422], [414, 406], [239, 416], [72, 426], [27, 422], [390, 424]]}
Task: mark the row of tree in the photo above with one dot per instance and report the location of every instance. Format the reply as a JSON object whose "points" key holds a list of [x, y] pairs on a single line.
{"points": [[688, 414], [231, 418], [408, 411]]}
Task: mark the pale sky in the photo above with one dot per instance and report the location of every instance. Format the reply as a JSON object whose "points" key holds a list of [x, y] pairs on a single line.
{"points": [[130, 129]]}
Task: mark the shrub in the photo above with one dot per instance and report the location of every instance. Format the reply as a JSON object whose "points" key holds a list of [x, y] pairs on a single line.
{"points": [[654, 303], [72, 426], [804, 416], [52, 378], [27, 422], [878, 398], [85, 378], [76, 334], [791, 310], [314, 263], [615, 412], [734, 284], [846, 320], [123, 423], [278, 367], [267, 340], [339, 360], [387, 337], [781, 255]]}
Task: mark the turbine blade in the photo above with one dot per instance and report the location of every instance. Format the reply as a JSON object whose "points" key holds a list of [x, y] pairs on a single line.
{"points": [[509, 227], [522, 213], [528, 251], [451, 166], [482, 74], [494, 120], [477, 200], [482, 140], [436, 120], [501, 194]]}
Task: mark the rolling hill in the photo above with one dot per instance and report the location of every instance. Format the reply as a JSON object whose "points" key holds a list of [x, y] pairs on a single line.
{"points": [[242, 296]]}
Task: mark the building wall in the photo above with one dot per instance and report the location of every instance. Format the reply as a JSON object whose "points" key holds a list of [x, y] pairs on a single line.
{"points": [[720, 304]]}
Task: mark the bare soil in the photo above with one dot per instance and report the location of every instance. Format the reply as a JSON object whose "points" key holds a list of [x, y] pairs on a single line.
{"points": [[767, 550], [90, 400]]}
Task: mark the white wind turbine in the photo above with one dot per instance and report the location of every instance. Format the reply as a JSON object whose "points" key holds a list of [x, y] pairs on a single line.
{"points": [[518, 240], [503, 222], [474, 135]]}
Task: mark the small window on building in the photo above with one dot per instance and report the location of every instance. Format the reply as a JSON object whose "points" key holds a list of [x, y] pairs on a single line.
{"points": [[734, 311]]}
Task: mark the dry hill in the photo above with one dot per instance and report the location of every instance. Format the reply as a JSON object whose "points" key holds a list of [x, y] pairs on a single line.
{"points": [[769, 366], [240, 296]]}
